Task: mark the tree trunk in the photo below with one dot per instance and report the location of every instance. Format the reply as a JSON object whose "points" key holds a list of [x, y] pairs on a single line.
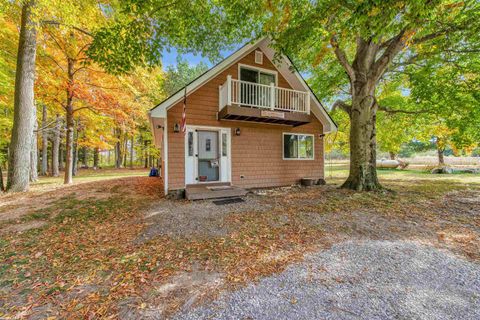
{"points": [[2, 185], [21, 141], [70, 125], [441, 159], [95, 158], [392, 155], [56, 146], [61, 156], [75, 149], [44, 166], [118, 149], [34, 150], [146, 154], [84, 156], [131, 151], [125, 150], [363, 153]]}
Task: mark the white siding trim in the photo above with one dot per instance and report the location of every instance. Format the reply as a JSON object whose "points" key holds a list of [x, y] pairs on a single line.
{"points": [[165, 153]]}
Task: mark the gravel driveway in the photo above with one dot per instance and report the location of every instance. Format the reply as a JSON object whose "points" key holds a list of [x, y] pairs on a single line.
{"points": [[359, 280]]}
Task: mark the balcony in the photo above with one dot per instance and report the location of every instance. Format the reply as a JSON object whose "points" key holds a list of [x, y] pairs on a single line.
{"points": [[249, 101]]}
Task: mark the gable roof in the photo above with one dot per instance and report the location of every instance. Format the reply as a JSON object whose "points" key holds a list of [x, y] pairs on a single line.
{"points": [[286, 68]]}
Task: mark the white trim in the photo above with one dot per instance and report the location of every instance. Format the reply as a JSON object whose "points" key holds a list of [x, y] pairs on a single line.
{"points": [[263, 70], [165, 154], [298, 134]]}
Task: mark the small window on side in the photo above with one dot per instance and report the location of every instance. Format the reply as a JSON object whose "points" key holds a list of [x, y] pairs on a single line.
{"points": [[224, 145], [190, 144]]}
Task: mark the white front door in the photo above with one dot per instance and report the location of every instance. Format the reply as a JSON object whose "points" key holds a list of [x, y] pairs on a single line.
{"points": [[207, 155]]}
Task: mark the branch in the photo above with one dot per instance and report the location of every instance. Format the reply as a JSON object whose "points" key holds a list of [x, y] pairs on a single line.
{"points": [[430, 36], [53, 22], [102, 87], [55, 61], [342, 105], [342, 58], [396, 44], [388, 110], [88, 108]]}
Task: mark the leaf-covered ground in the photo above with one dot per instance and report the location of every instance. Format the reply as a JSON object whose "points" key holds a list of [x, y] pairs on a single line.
{"points": [[117, 248]]}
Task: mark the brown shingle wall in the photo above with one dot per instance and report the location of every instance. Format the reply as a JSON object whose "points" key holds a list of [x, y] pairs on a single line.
{"points": [[256, 153]]}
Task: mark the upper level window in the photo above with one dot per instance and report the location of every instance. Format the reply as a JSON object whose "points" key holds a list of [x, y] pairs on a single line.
{"points": [[298, 146], [252, 74]]}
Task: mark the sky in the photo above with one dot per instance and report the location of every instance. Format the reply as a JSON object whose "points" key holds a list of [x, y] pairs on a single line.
{"points": [[170, 58]]}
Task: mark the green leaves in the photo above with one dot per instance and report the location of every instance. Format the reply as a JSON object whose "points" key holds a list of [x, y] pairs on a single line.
{"points": [[143, 29], [121, 47]]}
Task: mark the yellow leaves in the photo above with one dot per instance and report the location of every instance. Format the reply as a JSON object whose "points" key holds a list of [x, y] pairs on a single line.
{"points": [[321, 54], [374, 12], [408, 37]]}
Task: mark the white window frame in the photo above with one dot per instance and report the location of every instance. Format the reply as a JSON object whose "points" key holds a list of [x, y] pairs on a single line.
{"points": [[263, 70], [298, 134]]}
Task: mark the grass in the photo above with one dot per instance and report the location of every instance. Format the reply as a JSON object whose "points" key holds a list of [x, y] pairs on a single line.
{"points": [[90, 175], [87, 260]]}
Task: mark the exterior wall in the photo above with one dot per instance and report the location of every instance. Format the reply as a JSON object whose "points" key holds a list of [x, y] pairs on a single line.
{"points": [[257, 154]]}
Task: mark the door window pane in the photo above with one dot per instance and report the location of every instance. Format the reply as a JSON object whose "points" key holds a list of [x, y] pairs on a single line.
{"points": [[248, 75], [208, 145], [266, 78]]}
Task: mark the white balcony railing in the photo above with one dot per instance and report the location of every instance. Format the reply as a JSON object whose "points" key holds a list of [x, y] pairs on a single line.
{"points": [[262, 96]]}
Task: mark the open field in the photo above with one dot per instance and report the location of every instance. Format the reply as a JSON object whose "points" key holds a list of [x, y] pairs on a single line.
{"points": [[113, 246]]}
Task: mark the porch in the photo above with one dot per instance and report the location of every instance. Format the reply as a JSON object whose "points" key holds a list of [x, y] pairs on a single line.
{"points": [[249, 101]]}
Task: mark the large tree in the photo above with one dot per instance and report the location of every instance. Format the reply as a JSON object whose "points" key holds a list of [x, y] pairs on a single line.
{"points": [[354, 45], [24, 117]]}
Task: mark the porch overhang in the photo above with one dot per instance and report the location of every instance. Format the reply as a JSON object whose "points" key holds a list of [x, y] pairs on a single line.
{"points": [[238, 113]]}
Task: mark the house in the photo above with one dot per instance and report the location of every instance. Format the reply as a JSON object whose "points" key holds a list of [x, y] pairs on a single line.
{"points": [[250, 123]]}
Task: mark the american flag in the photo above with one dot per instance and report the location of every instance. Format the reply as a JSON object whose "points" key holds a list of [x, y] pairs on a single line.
{"points": [[184, 116]]}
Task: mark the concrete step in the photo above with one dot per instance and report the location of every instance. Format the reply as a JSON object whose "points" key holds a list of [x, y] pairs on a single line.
{"points": [[203, 192]]}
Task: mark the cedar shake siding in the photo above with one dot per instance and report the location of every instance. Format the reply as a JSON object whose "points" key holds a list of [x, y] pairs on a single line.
{"points": [[257, 154]]}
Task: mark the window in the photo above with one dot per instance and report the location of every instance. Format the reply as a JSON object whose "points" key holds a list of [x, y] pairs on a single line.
{"points": [[252, 74], [224, 145], [298, 146], [190, 144], [208, 145]]}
